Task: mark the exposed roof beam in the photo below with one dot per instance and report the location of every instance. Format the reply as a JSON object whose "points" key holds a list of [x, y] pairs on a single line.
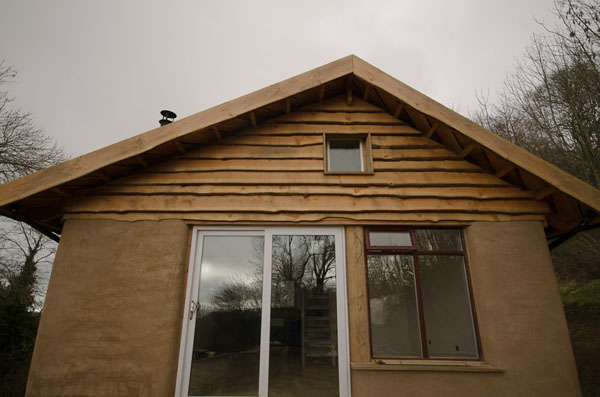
{"points": [[288, 106], [142, 162], [216, 132], [349, 90], [465, 152], [180, 147], [398, 109], [503, 171], [432, 130], [63, 192], [366, 93], [541, 194]]}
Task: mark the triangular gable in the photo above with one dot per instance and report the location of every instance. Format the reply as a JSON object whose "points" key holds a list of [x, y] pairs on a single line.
{"points": [[39, 197]]}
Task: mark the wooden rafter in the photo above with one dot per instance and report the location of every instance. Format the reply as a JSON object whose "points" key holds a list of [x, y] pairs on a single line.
{"points": [[63, 192], [253, 119], [465, 152], [366, 92], [216, 132], [398, 109], [547, 191], [505, 170], [288, 106], [102, 175], [180, 147], [142, 161], [349, 90], [432, 130]]}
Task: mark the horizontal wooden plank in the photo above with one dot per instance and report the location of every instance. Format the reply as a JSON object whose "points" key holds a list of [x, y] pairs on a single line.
{"points": [[386, 141], [298, 204], [440, 178], [317, 139], [256, 152], [301, 165], [241, 164], [425, 165], [274, 128], [338, 118], [265, 140], [254, 219], [448, 193], [339, 103], [413, 154]]}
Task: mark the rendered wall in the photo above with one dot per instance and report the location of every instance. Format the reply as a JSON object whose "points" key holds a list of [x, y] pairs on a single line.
{"points": [[522, 326], [111, 319]]}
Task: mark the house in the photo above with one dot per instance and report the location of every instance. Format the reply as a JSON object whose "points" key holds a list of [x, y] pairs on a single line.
{"points": [[337, 233]]}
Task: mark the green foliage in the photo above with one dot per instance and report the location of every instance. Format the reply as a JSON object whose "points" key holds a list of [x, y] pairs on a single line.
{"points": [[586, 294], [18, 328]]}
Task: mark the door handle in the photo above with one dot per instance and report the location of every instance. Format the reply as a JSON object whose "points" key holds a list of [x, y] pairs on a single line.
{"points": [[194, 306]]}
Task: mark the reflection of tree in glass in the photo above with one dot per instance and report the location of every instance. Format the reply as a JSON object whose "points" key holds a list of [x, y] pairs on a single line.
{"points": [[237, 295], [301, 262], [438, 239], [323, 260], [389, 274]]}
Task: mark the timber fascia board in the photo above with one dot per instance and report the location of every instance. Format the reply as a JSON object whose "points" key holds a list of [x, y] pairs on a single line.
{"points": [[551, 174], [48, 178]]}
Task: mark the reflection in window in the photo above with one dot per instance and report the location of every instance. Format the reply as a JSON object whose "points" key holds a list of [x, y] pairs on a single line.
{"points": [[225, 358], [303, 334], [393, 306], [419, 298], [446, 306], [390, 239]]}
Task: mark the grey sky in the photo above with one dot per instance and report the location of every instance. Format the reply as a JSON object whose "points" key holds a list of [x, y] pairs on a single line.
{"points": [[94, 73]]}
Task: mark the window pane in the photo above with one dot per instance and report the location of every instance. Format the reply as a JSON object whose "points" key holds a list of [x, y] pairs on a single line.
{"points": [[393, 306], [438, 239], [345, 155], [225, 358], [390, 239], [447, 308], [303, 346]]}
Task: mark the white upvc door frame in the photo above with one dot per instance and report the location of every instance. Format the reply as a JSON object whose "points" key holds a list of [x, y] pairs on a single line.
{"points": [[192, 293]]}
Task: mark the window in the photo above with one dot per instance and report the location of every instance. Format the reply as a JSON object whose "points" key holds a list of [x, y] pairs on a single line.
{"points": [[419, 298], [347, 154]]}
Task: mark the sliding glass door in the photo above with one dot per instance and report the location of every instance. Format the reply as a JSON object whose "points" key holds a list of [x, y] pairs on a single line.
{"points": [[266, 314]]}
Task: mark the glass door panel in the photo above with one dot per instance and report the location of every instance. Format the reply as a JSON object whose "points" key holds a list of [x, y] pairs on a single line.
{"points": [[226, 342], [303, 345]]}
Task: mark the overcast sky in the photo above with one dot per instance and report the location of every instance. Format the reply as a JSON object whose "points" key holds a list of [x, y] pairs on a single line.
{"points": [[94, 73]]}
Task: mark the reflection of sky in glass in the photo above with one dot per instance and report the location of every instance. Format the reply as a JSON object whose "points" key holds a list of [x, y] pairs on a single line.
{"points": [[227, 259]]}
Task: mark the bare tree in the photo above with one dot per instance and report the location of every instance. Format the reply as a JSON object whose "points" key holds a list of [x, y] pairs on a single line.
{"points": [[551, 103], [23, 149]]}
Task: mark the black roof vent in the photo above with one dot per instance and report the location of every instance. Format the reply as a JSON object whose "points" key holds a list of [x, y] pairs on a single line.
{"points": [[168, 117]]}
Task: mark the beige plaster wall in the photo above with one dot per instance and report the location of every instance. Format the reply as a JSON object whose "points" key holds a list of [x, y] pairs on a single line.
{"points": [[111, 319], [521, 322]]}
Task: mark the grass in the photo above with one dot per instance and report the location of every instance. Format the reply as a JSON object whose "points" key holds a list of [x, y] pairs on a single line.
{"points": [[582, 309], [581, 294]]}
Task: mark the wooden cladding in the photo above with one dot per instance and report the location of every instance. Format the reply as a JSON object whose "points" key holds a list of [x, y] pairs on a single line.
{"points": [[275, 173]]}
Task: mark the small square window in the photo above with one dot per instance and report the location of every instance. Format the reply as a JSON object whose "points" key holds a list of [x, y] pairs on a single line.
{"points": [[347, 154]]}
